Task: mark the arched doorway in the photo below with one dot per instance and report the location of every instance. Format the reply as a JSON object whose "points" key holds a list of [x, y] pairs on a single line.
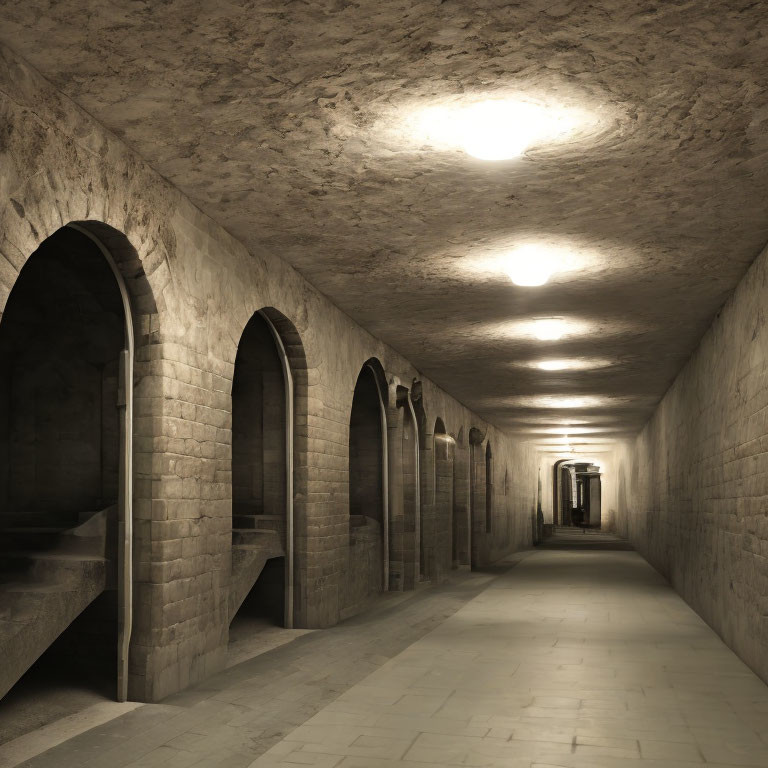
{"points": [[577, 494], [411, 496], [66, 472], [488, 488], [425, 521], [367, 572], [461, 520], [444, 452], [261, 582], [477, 496]]}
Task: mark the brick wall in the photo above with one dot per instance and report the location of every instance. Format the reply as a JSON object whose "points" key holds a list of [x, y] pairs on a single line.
{"points": [[193, 290], [691, 491]]}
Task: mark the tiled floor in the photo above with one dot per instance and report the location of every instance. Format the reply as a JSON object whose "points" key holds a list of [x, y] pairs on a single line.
{"points": [[580, 656]]}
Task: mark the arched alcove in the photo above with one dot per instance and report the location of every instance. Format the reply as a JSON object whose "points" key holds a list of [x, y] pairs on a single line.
{"points": [[367, 553], [425, 520], [66, 460], [488, 488], [269, 397], [260, 481], [411, 494], [461, 523], [477, 494], [444, 452]]}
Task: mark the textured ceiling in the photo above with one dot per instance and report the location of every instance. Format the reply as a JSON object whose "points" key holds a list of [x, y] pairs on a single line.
{"points": [[288, 123]]}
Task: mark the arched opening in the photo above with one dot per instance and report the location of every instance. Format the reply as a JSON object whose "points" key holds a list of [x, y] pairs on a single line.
{"points": [[368, 557], [488, 488], [66, 399], [577, 499], [477, 495], [261, 482], [460, 524], [425, 520], [444, 452], [411, 496]]}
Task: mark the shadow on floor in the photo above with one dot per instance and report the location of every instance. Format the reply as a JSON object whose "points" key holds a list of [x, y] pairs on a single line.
{"points": [[571, 538], [57, 685]]}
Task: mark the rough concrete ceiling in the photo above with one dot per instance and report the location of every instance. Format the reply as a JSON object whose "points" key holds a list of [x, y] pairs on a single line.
{"points": [[284, 122]]}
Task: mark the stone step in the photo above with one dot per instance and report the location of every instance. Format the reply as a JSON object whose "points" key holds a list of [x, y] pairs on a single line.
{"points": [[34, 610], [257, 536], [60, 568], [269, 522]]}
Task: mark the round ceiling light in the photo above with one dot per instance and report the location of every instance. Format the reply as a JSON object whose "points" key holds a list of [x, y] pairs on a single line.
{"points": [[497, 129], [570, 364], [530, 265], [555, 365], [549, 329]]}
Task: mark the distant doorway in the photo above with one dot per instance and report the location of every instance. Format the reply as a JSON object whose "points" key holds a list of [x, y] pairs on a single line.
{"points": [[577, 494]]}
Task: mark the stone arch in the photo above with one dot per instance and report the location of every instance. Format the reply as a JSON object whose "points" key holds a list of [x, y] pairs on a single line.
{"points": [[477, 495], [461, 533], [489, 488], [426, 484], [75, 324], [443, 523], [368, 551], [380, 377], [296, 358], [560, 515], [269, 397], [410, 459]]}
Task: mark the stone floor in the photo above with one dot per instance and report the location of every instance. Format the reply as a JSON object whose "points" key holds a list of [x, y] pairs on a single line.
{"points": [[576, 655]]}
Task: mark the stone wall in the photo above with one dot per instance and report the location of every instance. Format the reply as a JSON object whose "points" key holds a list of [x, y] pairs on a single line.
{"points": [[692, 489], [193, 290]]}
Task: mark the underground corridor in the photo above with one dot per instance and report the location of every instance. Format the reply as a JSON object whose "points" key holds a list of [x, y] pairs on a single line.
{"points": [[383, 384]]}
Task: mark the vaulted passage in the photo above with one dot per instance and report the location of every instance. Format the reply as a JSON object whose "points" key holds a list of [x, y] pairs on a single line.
{"points": [[389, 362], [61, 341]]}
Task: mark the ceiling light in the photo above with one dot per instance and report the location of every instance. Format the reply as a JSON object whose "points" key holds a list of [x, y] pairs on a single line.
{"points": [[571, 364], [566, 431], [550, 329], [571, 402], [552, 401], [530, 265], [496, 129], [554, 365]]}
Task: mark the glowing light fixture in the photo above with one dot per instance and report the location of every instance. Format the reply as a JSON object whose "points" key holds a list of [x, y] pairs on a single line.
{"points": [[496, 129], [554, 365], [531, 265], [570, 402], [549, 329]]}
